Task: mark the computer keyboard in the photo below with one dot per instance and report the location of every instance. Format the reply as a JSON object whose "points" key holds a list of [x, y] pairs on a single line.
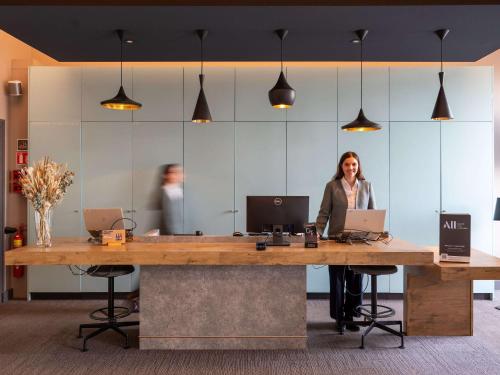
{"points": [[356, 237]]}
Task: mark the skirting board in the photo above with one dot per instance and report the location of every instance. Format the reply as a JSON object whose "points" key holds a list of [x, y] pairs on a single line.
{"points": [[120, 295]]}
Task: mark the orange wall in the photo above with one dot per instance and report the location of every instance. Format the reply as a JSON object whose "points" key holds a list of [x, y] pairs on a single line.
{"points": [[15, 58]]}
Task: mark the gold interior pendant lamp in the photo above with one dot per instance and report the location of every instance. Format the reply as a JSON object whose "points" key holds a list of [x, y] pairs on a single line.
{"points": [[121, 101], [361, 123]]}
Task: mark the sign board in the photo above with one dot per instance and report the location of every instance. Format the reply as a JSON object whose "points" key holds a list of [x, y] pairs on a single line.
{"points": [[22, 157], [454, 238], [22, 145]]}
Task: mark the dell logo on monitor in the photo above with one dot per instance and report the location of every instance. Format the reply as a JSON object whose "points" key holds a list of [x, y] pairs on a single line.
{"points": [[277, 201]]}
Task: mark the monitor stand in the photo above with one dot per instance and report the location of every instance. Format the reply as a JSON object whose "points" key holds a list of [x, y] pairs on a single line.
{"points": [[279, 239]]}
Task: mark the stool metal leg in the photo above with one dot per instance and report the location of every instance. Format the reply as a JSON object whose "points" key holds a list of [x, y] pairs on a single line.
{"points": [[402, 346], [111, 297], [127, 324], [365, 333], [374, 295], [372, 314], [93, 334], [119, 331], [109, 319], [90, 325]]}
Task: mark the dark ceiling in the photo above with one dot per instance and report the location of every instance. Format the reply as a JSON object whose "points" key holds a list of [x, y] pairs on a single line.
{"points": [[245, 33]]}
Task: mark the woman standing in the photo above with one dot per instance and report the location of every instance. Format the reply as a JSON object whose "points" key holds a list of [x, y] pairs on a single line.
{"points": [[171, 200], [348, 189]]}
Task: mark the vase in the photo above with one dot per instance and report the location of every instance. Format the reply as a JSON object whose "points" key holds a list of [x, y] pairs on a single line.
{"points": [[43, 226]]}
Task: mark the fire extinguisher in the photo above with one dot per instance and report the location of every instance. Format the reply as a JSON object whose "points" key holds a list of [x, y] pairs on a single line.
{"points": [[17, 241]]}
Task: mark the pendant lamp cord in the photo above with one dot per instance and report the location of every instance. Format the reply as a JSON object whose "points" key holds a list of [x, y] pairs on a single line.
{"points": [[121, 60], [361, 59], [201, 54], [441, 54], [281, 54]]}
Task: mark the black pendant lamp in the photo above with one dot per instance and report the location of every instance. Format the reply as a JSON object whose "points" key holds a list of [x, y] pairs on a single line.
{"points": [[121, 101], [282, 95], [361, 123], [201, 113], [442, 110]]}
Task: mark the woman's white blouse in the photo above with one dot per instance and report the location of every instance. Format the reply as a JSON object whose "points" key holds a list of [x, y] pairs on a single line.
{"points": [[350, 192]]}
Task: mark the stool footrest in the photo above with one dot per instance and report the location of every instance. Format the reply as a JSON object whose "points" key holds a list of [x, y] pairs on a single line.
{"points": [[382, 311], [119, 312]]}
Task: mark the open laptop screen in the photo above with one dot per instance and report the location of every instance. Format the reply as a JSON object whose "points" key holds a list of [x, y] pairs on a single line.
{"points": [[103, 218], [364, 221]]}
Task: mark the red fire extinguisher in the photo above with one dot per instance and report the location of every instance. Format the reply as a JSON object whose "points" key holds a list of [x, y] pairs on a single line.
{"points": [[17, 241]]}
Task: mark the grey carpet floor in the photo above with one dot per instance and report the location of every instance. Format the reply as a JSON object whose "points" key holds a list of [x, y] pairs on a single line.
{"points": [[39, 337]]}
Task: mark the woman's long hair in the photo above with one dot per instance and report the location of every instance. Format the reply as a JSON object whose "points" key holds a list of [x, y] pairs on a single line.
{"points": [[340, 171]]}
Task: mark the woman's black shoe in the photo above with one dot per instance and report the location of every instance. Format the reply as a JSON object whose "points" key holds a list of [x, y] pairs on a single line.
{"points": [[352, 327], [339, 327]]}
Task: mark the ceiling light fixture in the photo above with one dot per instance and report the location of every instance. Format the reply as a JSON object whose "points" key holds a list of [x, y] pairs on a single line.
{"points": [[361, 123], [201, 113], [282, 95], [121, 101], [442, 110]]}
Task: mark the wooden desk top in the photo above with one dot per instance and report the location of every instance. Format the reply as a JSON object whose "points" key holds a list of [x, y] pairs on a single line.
{"points": [[208, 250], [482, 266]]}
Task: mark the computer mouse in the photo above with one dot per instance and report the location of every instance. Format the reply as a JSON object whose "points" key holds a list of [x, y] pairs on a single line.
{"points": [[237, 234]]}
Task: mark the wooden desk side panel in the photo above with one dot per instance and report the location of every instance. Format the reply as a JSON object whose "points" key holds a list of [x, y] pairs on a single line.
{"points": [[433, 307]]}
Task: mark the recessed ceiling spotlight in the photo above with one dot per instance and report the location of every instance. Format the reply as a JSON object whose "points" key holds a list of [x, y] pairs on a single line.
{"points": [[129, 41], [355, 41]]}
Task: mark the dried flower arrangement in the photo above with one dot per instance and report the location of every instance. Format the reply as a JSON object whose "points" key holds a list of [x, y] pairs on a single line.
{"points": [[44, 185]]}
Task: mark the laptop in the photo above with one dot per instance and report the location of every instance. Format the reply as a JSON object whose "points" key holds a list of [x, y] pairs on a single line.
{"points": [[97, 219], [364, 224]]}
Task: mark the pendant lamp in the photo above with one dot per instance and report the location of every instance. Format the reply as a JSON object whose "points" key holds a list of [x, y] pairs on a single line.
{"points": [[441, 109], [121, 101], [361, 123], [201, 113], [282, 95]]}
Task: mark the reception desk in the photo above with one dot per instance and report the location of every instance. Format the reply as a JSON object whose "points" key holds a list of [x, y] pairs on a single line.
{"points": [[221, 293]]}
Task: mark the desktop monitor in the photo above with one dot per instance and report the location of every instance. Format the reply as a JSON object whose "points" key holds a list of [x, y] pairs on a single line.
{"points": [[277, 213]]}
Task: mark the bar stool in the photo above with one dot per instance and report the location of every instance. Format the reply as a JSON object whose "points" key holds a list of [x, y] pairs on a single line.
{"points": [[109, 314], [372, 312]]}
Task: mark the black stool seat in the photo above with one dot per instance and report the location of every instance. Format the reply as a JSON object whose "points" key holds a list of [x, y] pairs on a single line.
{"points": [[375, 270], [110, 271], [109, 314]]}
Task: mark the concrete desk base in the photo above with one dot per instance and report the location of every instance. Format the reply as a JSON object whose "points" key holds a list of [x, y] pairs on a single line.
{"points": [[223, 307]]}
